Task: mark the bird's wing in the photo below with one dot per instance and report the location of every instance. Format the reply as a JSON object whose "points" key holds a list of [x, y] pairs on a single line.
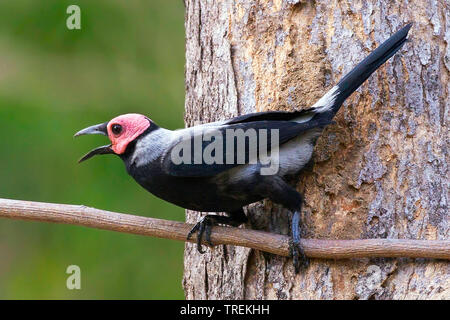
{"points": [[268, 116], [208, 151]]}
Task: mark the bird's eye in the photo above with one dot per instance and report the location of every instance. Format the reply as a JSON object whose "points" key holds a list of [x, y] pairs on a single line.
{"points": [[116, 129]]}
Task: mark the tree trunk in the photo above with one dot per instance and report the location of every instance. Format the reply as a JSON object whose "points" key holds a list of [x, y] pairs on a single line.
{"points": [[379, 172]]}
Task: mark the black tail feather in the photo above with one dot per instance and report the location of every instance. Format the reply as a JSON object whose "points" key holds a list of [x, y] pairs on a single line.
{"points": [[330, 103], [348, 84]]}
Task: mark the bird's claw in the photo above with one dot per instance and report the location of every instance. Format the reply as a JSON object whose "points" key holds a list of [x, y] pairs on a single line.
{"points": [[202, 227], [298, 255]]}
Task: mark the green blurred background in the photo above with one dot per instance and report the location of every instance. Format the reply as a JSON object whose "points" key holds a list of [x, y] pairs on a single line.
{"points": [[128, 57]]}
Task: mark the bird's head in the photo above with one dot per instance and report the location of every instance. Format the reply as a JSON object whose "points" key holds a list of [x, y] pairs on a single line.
{"points": [[121, 131]]}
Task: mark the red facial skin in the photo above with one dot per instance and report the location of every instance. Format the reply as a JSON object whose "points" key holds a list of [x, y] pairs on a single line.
{"points": [[133, 125]]}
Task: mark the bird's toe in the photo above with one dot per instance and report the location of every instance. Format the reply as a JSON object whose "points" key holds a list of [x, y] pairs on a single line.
{"points": [[203, 227]]}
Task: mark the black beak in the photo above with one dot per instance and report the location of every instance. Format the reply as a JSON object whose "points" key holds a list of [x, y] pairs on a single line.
{"points": [[97, 129], [100, 150]]}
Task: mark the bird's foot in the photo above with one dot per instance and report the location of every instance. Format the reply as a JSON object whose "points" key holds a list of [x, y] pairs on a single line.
{"points": [[203, 227], [298, 255]]}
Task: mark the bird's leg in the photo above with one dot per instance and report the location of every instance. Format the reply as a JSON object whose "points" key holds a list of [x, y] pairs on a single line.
{"points": [[204, 226], [298, 255], [282, 193]]}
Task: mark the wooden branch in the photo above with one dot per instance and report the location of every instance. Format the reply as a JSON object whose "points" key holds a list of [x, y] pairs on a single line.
{"points": [[264, 241]]}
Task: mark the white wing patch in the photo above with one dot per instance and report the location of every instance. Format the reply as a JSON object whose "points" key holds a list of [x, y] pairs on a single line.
{"points": [[326, 102]]}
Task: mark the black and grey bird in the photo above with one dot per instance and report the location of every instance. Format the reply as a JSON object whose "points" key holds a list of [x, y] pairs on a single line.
{"points": [[169, 163]]}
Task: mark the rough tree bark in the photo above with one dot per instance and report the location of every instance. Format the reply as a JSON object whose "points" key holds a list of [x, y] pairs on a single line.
{"points": [[379, 172]]}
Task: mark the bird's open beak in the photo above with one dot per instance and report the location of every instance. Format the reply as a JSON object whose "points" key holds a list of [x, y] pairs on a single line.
{"points": [[97, 129]]}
